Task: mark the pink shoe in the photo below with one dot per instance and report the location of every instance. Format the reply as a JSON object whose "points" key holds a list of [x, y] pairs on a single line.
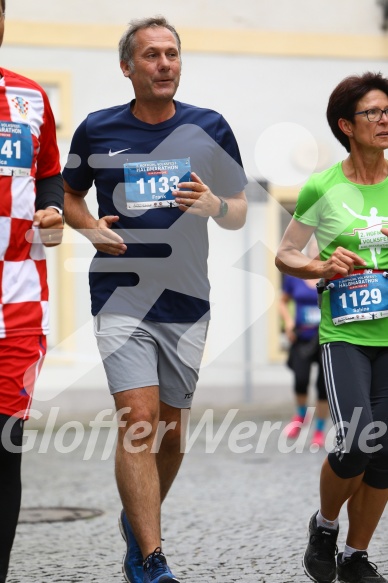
{"points": [[293, 428], [318, 438]]}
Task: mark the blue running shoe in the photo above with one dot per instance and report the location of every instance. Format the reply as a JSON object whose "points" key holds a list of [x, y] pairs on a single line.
{"points": [[156, 569], [133, 559]]}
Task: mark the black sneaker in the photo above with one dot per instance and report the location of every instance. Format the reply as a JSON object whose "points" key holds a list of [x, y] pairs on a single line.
{"points": [[357, 569], [319, 559]]}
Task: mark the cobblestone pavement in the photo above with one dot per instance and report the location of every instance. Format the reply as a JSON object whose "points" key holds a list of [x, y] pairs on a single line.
{"points": [[229, 516]]}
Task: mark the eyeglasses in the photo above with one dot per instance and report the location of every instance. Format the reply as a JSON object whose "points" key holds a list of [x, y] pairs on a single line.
{"points": [[374, 114]]}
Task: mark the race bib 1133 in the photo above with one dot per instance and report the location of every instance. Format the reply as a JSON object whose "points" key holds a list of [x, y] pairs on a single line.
{"points": [[148, 185]]}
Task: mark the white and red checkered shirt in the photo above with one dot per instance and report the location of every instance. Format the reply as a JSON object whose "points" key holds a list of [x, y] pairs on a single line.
{"points": [[28, 152]]}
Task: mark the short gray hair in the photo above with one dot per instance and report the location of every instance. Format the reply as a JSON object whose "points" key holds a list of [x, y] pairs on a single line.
{"points": [[127, 42]]}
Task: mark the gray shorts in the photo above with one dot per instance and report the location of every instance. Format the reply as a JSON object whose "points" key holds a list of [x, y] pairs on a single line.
{"points": [[141, 353]]}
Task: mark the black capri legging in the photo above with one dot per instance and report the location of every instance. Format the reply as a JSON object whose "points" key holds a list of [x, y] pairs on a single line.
{"points": [[357, 390], [302, 355]]}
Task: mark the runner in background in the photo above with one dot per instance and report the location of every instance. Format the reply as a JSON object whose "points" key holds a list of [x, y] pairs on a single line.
{"points": [[298, 307]]}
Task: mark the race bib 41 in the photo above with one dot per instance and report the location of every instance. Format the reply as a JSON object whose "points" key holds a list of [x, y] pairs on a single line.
{"points": [[16, 149]]}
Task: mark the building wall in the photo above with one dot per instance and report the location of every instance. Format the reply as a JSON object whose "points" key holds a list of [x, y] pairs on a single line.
{"points": [[327, 16], [268, 66]]}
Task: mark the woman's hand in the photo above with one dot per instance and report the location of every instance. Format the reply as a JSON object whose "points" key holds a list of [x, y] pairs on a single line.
{"points": [[342, 262]]}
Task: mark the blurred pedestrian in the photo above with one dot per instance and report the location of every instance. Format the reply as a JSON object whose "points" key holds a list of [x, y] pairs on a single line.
{"points": [[298, 307]]}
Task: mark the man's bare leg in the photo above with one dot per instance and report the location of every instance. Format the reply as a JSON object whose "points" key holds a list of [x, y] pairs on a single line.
{"points": [[147, 466], [136, 469], [171, 446]]}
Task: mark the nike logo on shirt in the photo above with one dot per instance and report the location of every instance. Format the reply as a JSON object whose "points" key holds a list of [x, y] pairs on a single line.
{"points": [[110, 153]]}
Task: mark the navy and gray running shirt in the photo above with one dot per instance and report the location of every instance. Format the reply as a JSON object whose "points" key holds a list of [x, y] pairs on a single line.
{"points": [[163, 275]]}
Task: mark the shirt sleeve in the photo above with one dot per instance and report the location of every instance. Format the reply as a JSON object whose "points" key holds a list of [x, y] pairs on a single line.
{"points": [[48, 162], [229, 175], [288, 286], [308, 206], [78, 172]]}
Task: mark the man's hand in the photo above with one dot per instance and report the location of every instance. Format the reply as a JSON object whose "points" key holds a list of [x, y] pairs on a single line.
{"points": [[98, 231], [197, 198], [50, 225], [104, 238]]}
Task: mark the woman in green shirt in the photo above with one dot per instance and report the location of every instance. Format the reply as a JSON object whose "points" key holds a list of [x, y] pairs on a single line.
{"points": [[346, 208]]}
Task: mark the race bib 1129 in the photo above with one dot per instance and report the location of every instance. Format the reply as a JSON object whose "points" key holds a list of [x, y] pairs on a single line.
{"points": [[359, 297]]}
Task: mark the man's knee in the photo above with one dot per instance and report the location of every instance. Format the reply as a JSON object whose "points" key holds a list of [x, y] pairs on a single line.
{"points": [[137, 406], [137, 422]]}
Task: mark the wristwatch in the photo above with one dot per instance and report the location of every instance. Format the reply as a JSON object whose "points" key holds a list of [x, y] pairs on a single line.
{"points": [[223, 209]]}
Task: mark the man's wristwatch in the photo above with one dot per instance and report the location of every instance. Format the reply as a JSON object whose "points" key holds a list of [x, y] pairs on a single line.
{"points": [[223, 209]]}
